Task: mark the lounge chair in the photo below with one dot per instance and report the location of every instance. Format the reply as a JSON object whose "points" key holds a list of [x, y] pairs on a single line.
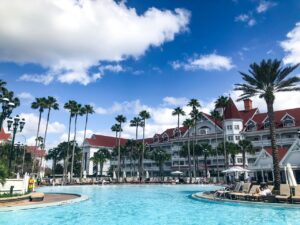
{"points": [[250, 194], [245, 190], [222, 193], [285, 193], [296, 197], [258, 197]]}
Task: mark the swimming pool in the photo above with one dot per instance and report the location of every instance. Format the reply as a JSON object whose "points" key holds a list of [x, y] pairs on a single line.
{"points": [[147, 204]]}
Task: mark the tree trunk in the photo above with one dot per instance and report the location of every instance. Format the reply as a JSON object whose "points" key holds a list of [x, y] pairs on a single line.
{"points": [[143, 152], [194, 143], [36, 140], [101, 169], [66, 163], [189, 158], [46, 130], [205, 164], [217, 154], [274, 146], [82, 155], [73, 150], [244, 157], [119, 155], [224, 141]]}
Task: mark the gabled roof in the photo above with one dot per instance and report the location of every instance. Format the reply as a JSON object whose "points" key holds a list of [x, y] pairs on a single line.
{"points": [[104, 141], [36, 151], [231, 111], [4, 136], [281, 152]]}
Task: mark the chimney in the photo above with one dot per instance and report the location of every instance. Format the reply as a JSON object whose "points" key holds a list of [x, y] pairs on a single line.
{"points": [[247, 104]]}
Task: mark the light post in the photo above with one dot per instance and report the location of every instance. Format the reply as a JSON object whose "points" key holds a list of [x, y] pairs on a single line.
{"points": [[7, 108], [14, 123]]}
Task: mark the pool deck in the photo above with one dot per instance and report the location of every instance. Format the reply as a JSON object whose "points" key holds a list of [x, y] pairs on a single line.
{"points": [[50, 199], [202, 196]]}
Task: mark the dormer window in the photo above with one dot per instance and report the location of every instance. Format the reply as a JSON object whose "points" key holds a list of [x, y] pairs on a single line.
{"points": [[251, 126], [204, 130], [288, 121], [156, 138], [165, 137], [177, 132]]}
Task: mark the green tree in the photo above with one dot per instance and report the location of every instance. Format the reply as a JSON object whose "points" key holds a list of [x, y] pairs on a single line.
{"points": [[3, 173], [136, 122], [100, 157], [245, 147], [216, 116], [40, 104], [178, 112], [265, 79], [54, 154], [160, 156], [120, 119], [144, 116], [188, 123], [86, 110], [221, 103], [205, 150], [116, 128]]}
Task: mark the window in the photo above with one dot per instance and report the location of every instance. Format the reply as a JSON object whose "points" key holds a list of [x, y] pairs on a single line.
{"points": [[230, 138], [204, 130], [229, 127], [266, 124], [177, 133], [165, 138], [237, 138], [236, 127], [156, 138], [288, 122], [251, 126]]}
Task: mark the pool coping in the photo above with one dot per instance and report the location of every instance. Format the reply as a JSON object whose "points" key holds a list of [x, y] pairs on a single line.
{"points": [[80, 198], [199, 196]]}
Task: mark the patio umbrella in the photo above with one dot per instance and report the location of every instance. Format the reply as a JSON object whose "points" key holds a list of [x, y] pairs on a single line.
{"points": [[114, 175], [124, 174], [84, 174], [147, 174], [235, 169], [208, 174], [137, 174], [291, 177], [69, 176], [177, 172]]}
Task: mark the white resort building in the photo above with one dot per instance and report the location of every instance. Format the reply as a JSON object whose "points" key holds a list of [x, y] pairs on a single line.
{"points": [[249, 124]]}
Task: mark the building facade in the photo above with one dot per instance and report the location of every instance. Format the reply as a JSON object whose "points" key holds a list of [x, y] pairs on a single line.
{"points": [[248, 123]]}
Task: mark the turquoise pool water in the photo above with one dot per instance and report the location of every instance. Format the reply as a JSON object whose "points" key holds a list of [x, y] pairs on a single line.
{"points": [[149, 205]]}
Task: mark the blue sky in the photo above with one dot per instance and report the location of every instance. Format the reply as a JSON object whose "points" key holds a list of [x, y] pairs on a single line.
{"points": [[123, 57]]}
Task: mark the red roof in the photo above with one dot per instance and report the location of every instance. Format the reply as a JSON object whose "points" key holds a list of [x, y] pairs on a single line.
{"points": [[4, 136], [37, 151], [281, 152], [231, 111], [278, 115], [104, 141]]}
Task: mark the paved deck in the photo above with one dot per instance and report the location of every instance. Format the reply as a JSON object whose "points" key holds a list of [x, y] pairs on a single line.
{"points": [[49, 198]]}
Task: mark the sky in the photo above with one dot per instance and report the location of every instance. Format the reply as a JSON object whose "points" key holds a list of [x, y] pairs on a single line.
{"points": [[126, 56]]}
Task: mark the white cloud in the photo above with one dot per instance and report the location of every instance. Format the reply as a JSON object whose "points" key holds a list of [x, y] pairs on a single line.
{"points": [[264, 6], [112, 68], [26, 96], [242, 18], [68, 37], [175, 101], [205, 62], [251, 22], [292, 46]]}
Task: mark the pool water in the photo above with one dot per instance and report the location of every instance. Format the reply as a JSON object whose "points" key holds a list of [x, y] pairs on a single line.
{"points": [[149, 205]]}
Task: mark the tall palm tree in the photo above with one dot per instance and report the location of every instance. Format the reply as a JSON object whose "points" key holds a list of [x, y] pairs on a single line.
{"points": [[144, 116], [50, 103], [216, 116], [245, 146], [120, 119], [136, 122], [265, 79], [206, 150], [40, 104], [160, 156], [55, 155], [178, 112], [188, 123], [194, 103], [116, 128], [77, 110], [86, 110], [70, 107], [222, 102]]}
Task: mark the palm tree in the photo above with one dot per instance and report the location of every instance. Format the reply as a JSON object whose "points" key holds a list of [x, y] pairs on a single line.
{"points": [[68, 106], [55, 155], [264, 80], [233, 149], [222, 102], [144, 116], [116, 128], [50, 103], [77, 110], [188, 123], [136, 122], [120, 119], [86, 110], [194, 103], [205, 150], [160, 156], [245, 146], [40, 104], [216, 116], [10, 95], [100, 157], [178, 112]]}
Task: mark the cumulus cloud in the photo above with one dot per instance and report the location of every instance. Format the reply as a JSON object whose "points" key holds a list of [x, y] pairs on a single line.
{"points": [[205, 62], [26, 96], [112, 68], [246, 18], [292, 46], [175, 101], [68, 37], [264, 6]]}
